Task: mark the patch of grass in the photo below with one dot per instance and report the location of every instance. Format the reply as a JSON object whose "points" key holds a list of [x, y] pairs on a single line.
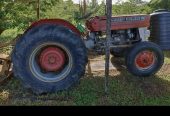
{"points": [[4, 96], [124, 89], [167, 57]]}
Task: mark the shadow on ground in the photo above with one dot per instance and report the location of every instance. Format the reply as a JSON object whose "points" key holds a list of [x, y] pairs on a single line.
{"points": [[154, 86]]}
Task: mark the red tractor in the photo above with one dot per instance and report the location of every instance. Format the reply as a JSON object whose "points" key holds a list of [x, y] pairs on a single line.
{"points": [[52, 54]]}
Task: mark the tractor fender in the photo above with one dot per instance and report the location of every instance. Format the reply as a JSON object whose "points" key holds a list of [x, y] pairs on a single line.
{"points": [[56, 22]]}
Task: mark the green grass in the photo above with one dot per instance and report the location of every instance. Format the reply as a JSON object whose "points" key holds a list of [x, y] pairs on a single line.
{"points": [[124, 89], [167, 57]]}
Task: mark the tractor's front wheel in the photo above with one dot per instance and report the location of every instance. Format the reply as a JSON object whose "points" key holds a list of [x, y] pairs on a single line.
{"points": [[144, 59], [49, 58]]}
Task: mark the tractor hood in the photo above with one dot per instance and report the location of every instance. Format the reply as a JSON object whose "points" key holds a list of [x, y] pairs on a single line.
{"points": [[98, 23]]}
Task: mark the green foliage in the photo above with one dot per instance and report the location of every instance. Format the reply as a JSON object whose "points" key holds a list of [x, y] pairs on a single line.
{"points": [[131, 7], [15, 14], [159, 4], [21, 13], [64, 10]]}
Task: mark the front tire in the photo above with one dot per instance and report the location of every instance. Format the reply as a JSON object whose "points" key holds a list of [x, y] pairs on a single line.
{"points": [[144, 59], [49, 58]]}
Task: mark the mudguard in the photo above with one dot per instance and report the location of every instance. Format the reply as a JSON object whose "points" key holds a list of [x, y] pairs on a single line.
{"points": [[57, 22]]}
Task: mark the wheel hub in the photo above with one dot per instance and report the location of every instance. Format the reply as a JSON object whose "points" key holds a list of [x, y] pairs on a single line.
{"points": [[145, 59], [52, 59]]}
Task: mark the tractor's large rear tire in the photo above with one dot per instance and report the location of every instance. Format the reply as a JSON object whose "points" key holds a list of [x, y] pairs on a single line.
{"points": [[49, 58], [144, 59]]}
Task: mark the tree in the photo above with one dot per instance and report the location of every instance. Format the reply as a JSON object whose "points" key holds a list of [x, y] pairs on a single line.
{"points": [[61, 9], [131, 7], [14, 14], [101, 9], [86, 9], [159, 4], [136, 1], [20, 13]]}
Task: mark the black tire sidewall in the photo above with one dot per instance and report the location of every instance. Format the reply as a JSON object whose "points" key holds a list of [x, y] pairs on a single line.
{"points": [[134, 51], [70, 40]]}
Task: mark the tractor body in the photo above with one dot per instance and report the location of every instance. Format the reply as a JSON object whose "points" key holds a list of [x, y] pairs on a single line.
{"points": [[52, 53], [125, 31], [98, 23]]}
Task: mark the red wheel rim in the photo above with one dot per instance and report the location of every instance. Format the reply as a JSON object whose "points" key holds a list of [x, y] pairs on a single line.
{"points": [[52, 59], [145, 59], [48, 69]]}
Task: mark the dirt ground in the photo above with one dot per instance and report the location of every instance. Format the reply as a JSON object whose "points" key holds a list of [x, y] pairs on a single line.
{"points": [[96, 66], [98, 63]]}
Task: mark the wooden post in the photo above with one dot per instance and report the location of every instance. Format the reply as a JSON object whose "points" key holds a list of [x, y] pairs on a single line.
{"points": [[108, 36]]}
